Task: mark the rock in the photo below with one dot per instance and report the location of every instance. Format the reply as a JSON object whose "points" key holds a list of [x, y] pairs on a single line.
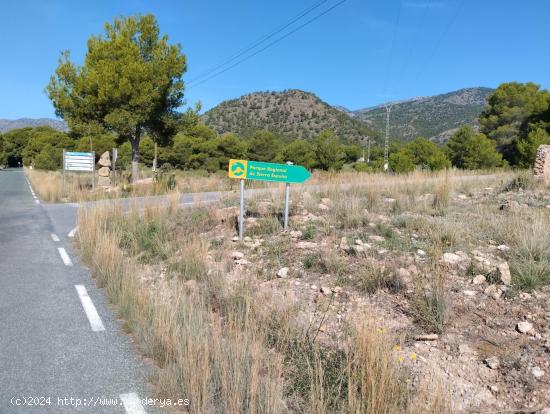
{"points": [[503, 248], [313, 287], [295, 234], [492, 362], [451, 258], [304, 245], [427, 337], [502, 274], [323, 207], [545, 410], [104, 172], [358, 242], [537, 372], [478, 280], [325, 290], [103, 181], [524, 327], [421, 252], [105, 159], [247, 239], [237, 255], [326, 201], [493, 291], [344, 244], [511, 205], [462, 197], [541, 168], [470, 293], [235, 239], [525, 296], [282, 273]]}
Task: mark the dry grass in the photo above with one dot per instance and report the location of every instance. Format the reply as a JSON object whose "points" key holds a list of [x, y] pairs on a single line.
{"points": [[224, 346]]}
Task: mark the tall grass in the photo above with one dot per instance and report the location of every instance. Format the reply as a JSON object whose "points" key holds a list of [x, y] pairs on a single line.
{"points": [[225, 347]]}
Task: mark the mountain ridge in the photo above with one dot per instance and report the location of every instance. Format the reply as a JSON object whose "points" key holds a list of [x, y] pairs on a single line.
{"points": [[9, 124]]}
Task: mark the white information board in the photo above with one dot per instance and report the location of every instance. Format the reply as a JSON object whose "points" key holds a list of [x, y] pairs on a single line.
{"points": [[78, 161]]}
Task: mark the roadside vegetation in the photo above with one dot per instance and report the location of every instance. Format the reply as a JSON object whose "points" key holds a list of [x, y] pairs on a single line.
{"points": [[330, 316]]}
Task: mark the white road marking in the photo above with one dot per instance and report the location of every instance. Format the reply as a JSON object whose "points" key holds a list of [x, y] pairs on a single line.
{"points": [[37, 202], [73, 232], [91, 313], [131, 402], [54, 237], [64, 256]]}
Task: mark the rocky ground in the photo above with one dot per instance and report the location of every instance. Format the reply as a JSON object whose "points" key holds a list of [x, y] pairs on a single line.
{"points": [[456, 272]]}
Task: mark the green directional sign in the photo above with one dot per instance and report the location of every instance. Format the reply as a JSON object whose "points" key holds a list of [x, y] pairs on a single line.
{"points": [[267, 171]]}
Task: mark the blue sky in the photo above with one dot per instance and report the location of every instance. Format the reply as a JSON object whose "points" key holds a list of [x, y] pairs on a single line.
{"points": [[360, 54]]}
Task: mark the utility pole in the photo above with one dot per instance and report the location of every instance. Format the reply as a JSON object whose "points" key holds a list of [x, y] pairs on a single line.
{"points": [[386, 144], [368, 150]]}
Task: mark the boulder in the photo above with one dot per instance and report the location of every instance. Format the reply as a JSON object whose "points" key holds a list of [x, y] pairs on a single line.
{"points": [[105, 159], [524, 327], [326, 290], [492, 362], [478, 280], [282, 273], [501, 275], [541, 168], [103, 181], [104, 172]]}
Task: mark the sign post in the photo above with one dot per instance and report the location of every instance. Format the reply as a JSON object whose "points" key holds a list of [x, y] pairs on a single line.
{"points": [[78, 161], [114, 157], [266, 171]]}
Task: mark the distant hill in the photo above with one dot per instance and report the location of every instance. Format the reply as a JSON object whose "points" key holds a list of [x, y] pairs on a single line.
{"points": [[9, 124], [435, 117], [292, 113]]}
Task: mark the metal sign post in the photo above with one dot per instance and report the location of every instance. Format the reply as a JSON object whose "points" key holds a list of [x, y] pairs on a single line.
{"points": [[266, 171], [63, 187], [93, 171], [241, 212]]}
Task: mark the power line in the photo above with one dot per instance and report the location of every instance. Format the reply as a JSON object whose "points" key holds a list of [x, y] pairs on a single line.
{"points": [[268, 45], [390, 58], [257, 42], [440, 39]]}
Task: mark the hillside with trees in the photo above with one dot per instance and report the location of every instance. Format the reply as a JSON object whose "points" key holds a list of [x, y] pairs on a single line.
{"points": [[435, 117], [292, 113]]}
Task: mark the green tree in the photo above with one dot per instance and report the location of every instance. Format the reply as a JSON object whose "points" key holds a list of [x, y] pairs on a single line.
{"points": [[38, 139], [49, 158], [469, 150], [14, 142], [329, 153], [509, 111], [401, 161], [100, 143], [352, 153], [427, 154], [3, 155], [130, 83], [300, 152], [527, 146], [223, 149], [264, 146]]}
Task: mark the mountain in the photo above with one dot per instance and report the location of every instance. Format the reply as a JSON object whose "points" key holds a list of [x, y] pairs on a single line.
{"points": [[434, 117], [9, 124], [292, 113]]}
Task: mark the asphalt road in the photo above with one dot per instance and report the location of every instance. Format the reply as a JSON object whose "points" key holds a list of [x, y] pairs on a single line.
{"points": [[51, 342]]}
